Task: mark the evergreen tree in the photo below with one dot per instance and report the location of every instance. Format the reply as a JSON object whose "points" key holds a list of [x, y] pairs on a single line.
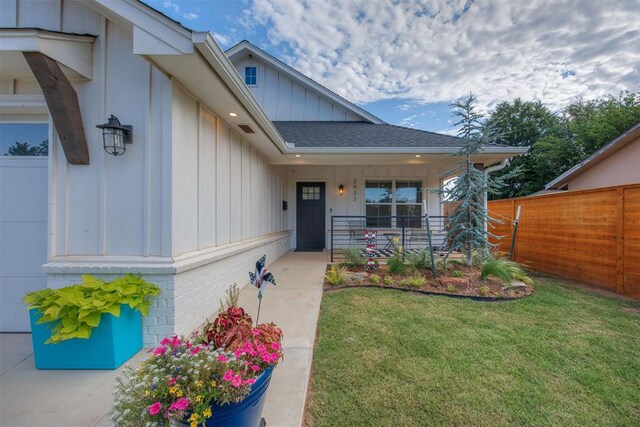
{"points": [[466, 225]]}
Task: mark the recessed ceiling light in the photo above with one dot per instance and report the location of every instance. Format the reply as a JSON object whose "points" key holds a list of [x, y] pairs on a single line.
{"points": [[297, 155], [417, 155], [233, 114]]}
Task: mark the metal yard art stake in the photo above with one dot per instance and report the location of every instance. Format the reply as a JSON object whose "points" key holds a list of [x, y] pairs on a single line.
{"points": [[259, 279], [515, 231]]}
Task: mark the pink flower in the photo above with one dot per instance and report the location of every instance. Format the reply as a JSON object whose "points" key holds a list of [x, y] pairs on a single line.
{"points": [[165, 341], [261, 348], [255, 332], [255, 368], [275, 345], [228, 375], [155, 408], [180, 404], [172, 381], [159, 351], [222, 358], [237, 353], [175, 341], [236, 381], [196, 349], [250, 381]]}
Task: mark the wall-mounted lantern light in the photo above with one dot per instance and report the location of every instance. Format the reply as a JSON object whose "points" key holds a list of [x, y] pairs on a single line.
{"points": [[341, 190], [115, 136]]}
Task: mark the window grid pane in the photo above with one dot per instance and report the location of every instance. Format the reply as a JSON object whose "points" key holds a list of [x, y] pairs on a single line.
{"points": [[250, 75], [384, 198]]}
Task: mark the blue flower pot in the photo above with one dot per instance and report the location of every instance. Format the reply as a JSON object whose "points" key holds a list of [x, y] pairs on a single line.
{"points": [[246, 413], [111, 344]]}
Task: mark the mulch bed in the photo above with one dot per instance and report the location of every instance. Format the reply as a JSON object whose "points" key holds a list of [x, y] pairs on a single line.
{"points": [[469, 285]]}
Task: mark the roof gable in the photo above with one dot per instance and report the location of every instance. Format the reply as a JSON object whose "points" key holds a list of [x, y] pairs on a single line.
{"points": [[286, 94]]}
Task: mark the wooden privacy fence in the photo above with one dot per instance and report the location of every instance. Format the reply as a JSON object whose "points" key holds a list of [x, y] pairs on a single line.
{"points": [[591, 235]]}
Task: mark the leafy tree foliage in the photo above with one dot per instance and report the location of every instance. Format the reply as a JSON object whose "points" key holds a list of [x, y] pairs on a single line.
{"points": [[26, 149], [557, 141], [519, 124]]}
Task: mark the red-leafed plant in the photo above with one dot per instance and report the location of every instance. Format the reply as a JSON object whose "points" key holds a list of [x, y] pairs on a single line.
{"points": [[229, 330]]}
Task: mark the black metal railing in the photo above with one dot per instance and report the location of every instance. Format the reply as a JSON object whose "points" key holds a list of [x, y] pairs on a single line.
{"points": [[381, 236]]}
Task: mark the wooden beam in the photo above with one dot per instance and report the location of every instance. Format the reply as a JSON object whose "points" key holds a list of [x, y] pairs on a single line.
{"points": [[64, 108]]}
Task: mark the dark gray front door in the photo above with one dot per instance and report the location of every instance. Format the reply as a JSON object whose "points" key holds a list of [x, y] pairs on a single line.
{"points": [[310, 220]]}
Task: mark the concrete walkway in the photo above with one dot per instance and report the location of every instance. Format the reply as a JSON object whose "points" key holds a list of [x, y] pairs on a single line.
{"points": [[29, 397]]}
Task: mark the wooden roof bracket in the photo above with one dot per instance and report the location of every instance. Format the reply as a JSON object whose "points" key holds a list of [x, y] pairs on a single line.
{"points": [[63, 104]]}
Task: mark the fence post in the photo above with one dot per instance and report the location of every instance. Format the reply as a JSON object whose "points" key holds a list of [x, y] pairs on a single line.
{"points": [[403, 247], [620, 241], [332, 219], [515, 231]]}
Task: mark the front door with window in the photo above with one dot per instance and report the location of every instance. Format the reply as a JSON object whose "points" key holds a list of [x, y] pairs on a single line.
{"points": [[310, 216]]}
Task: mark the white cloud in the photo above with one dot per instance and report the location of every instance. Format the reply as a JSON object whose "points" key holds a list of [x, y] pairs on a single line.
{"points": [[437, 51], [168, 4], [221, 39], [189, 16]]}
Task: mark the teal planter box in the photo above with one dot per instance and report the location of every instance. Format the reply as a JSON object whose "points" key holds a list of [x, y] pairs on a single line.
{"points": [[111, 344]]}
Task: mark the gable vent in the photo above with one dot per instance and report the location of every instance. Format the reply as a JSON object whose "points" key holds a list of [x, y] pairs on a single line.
{"points": [[246, 128]]}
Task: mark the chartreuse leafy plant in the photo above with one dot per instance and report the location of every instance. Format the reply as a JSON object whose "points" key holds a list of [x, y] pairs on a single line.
{"points": [[76, 310]]}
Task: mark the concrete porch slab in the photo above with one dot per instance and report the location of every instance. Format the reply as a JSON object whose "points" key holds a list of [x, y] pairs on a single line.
{"points": [[30, 397]]}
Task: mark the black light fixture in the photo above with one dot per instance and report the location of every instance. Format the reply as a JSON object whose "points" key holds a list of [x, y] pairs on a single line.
{"points": [[341, 190], [115, 136]]}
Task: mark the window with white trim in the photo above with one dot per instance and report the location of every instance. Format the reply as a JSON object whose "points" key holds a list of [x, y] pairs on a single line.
{"points": [[251, 76], [387, 198]]}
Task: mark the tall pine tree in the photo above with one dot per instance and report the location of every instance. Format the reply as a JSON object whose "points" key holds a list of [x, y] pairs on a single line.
{"points": [[466, 225]]}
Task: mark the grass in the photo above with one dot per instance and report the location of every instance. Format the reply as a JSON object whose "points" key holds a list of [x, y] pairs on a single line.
{"points": [[563, 356]]}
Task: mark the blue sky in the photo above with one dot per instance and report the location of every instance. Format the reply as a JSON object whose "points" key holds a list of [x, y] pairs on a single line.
{"points": [[406, 60]]}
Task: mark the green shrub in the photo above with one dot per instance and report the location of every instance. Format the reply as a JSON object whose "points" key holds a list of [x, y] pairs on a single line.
{"points": [[484, 291], [505, 271], [421, 260], [457, 273], [374, 278], [395, 265], [336, 276], [388, 280], [415, 281], [353, 258], [451, 288], [444, 263], [74, 311]]}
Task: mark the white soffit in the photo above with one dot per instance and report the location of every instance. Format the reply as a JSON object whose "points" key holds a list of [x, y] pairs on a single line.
{"points": [[384, 157], [73, 52], [194, 74]]}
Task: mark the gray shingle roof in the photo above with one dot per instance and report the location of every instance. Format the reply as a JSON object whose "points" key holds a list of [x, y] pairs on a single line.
{"points": [[360, 134]]}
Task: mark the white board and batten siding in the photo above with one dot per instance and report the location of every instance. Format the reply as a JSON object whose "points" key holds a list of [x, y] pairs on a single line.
{"points": [[188, 188], [224, 189], [285, 99]]}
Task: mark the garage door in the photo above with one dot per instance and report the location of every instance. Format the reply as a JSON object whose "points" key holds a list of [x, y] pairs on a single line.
{"points": [[23, 219]]}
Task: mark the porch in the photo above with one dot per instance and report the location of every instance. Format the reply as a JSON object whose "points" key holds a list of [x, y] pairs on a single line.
{"points": [[383, 236]]}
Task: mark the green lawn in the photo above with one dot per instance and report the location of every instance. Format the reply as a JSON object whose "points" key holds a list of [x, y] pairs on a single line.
{"points": [[563, 356]]}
